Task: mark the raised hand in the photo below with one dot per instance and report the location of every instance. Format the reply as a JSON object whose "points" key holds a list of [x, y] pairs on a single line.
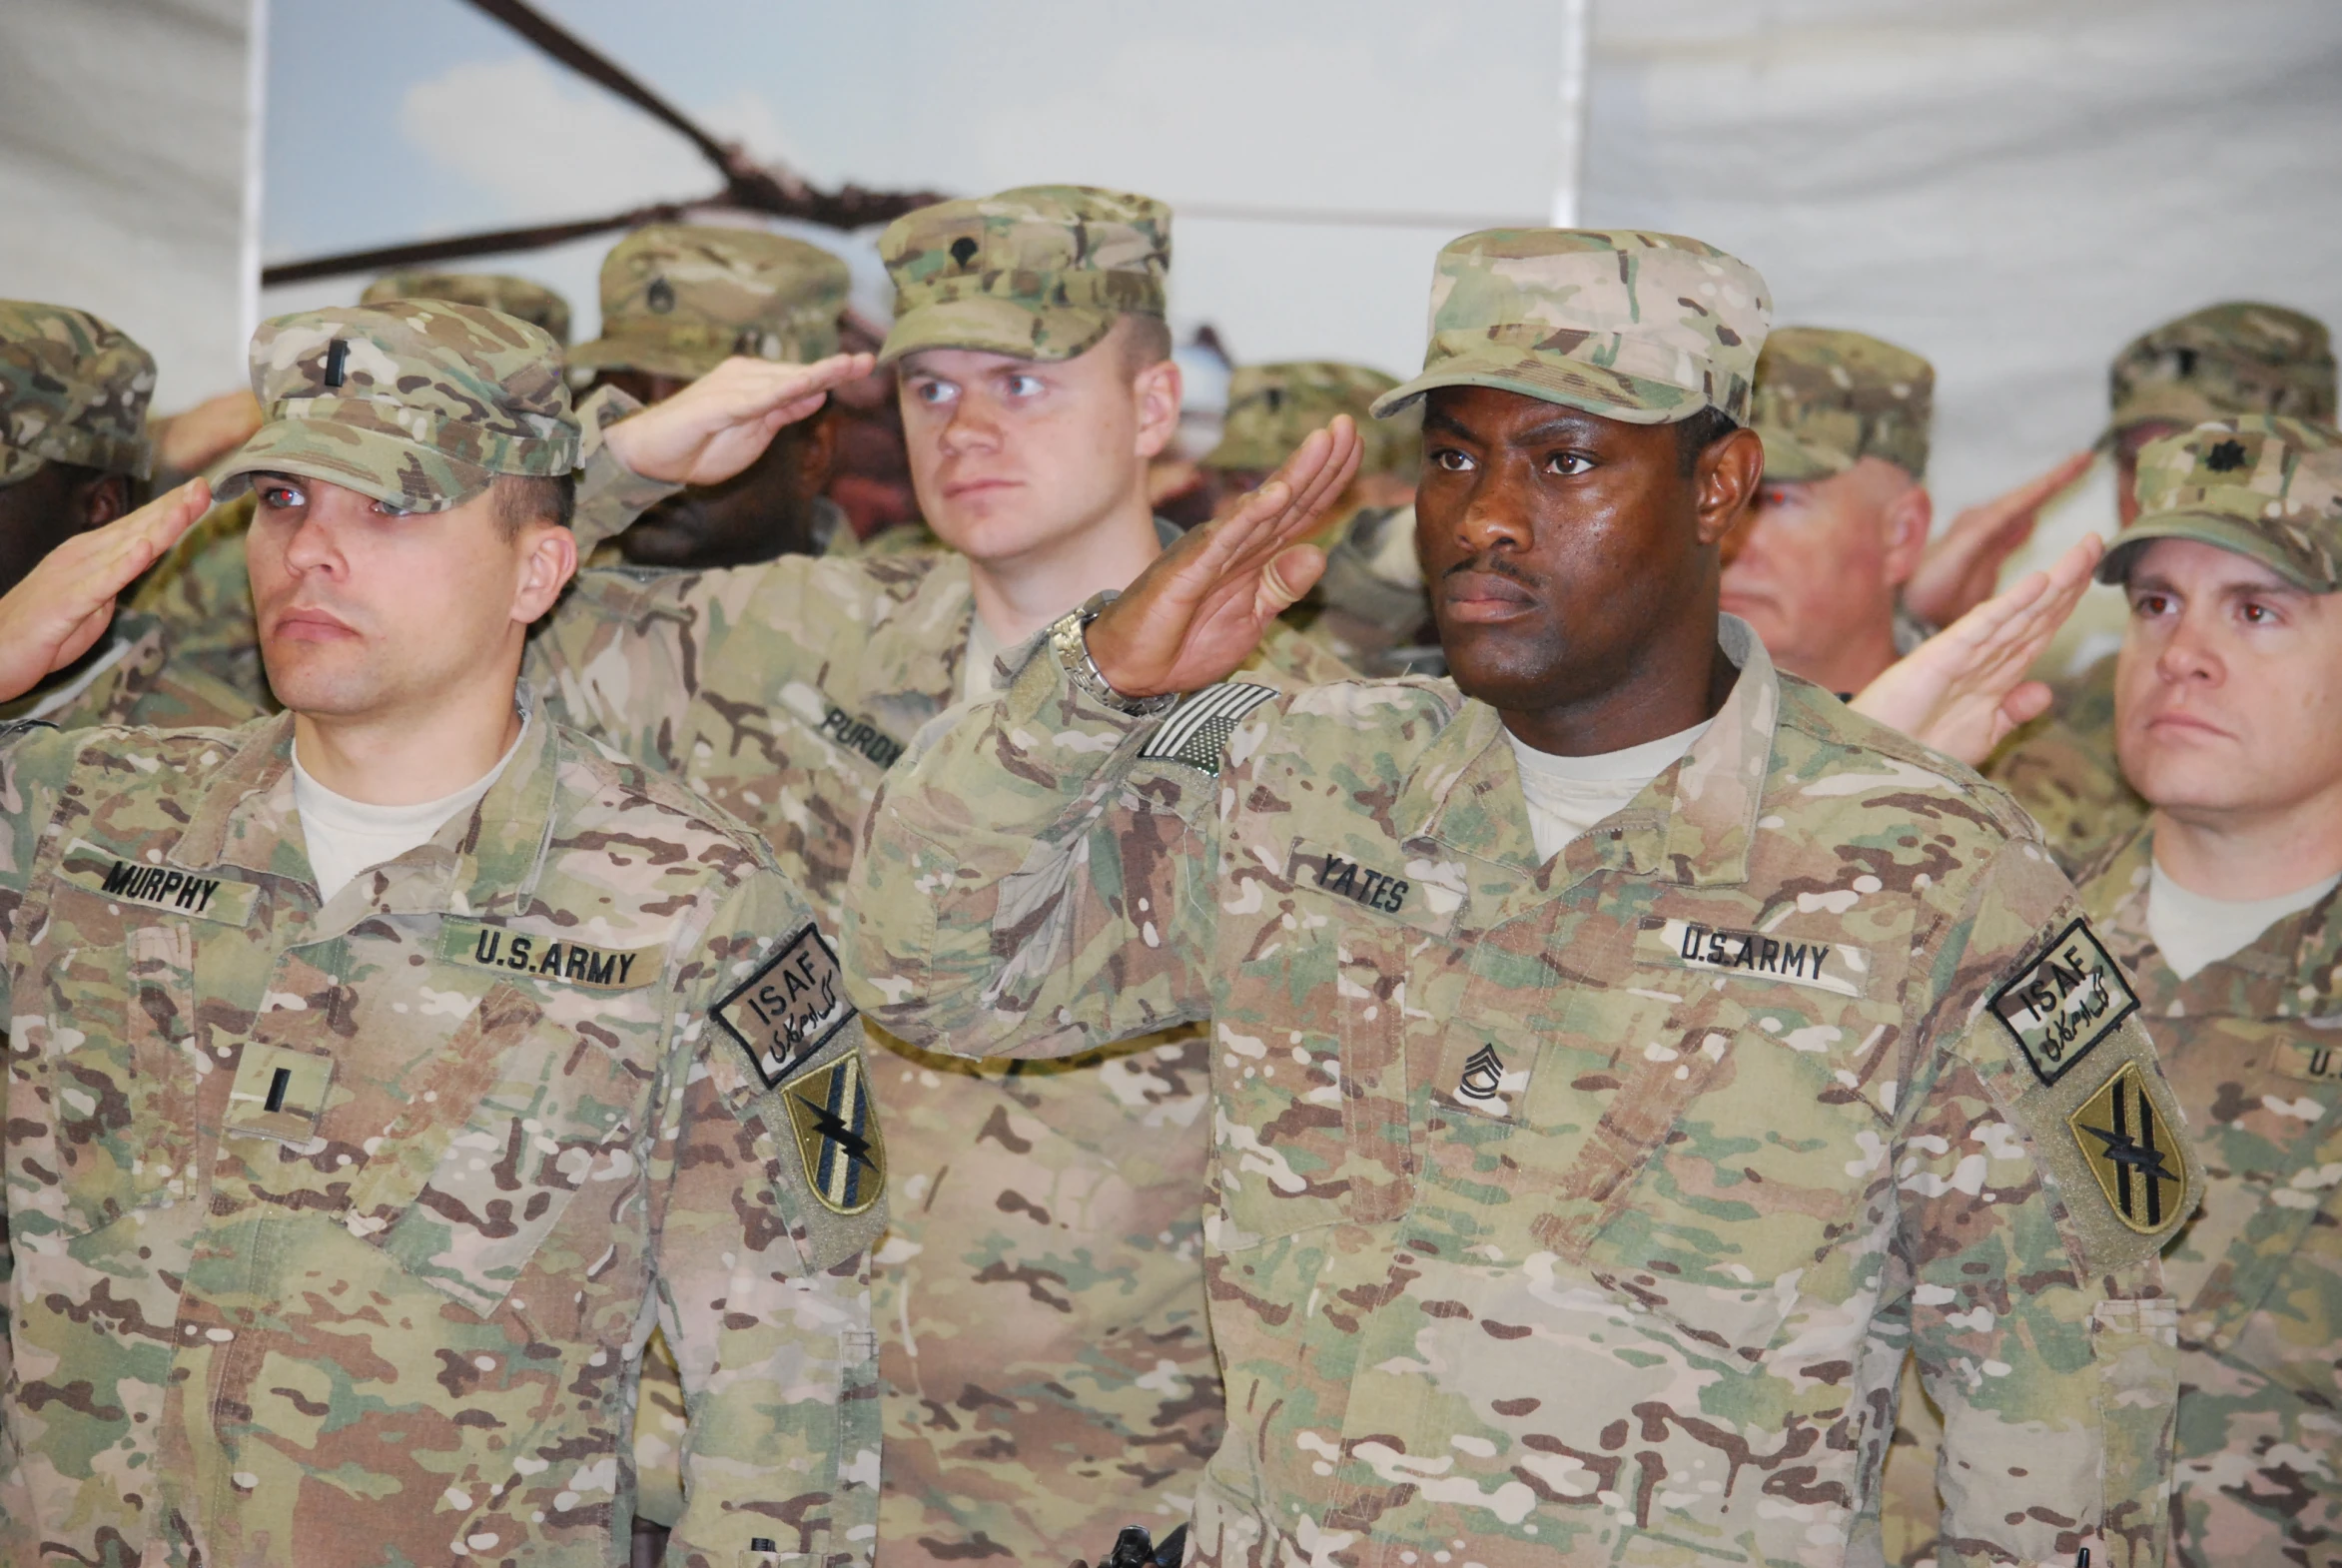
{"points": [[65, 604], [1962, 564], [1203, 606], [722, 422], [1962, 690]]}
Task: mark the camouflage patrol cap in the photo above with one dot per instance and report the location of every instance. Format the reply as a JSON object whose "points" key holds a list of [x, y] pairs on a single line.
{"points": [[2265, 486], [533, 302], [1271, 409], [1646, 328], [2224, 359], [1827, 400], [73, 388], [419, 405], [1040, 272], [680, 299]]}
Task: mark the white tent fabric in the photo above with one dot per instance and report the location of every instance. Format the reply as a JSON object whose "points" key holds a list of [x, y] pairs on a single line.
{"points": [[128, 170], [2013, 187]]}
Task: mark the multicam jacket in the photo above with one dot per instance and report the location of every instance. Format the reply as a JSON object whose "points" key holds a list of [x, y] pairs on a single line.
{"points": [[332, 1233], [2062, 769], [1582, 1210], [1039, 1293], [2253, 1048], [134, 676]]}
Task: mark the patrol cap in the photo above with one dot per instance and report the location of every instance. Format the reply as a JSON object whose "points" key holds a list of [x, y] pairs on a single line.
{"points": [[1826, 399], [2240, 358], [1271, 409], [1646, 328], [419, 405], [533, 302], [1040, 272], [73, 388], [2265, 486], [680, 299]]}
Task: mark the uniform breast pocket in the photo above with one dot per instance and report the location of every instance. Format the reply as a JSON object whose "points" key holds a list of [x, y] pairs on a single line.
{"points": [[102, 1071], [1756, 1153], [493, 1140], [1313, 1124]]}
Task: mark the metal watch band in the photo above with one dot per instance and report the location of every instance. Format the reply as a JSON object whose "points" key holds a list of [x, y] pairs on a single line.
{"points": [[1069, 638]]}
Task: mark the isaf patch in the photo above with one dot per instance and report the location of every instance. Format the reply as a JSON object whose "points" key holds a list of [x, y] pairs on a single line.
{"points": [[838, 1139], [478, 945], [789, 1008], [2136, 1159], [2063, 1003], [1197, 731]]}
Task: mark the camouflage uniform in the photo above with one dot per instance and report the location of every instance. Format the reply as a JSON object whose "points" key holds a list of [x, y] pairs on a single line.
{"points": [[1577, 1208], [2254, 1354], [333, 1229], [1039, 1293], [2225, 359], [1353, 611], [75, 390], [533, 302], [679, 299], [1828, 398]]}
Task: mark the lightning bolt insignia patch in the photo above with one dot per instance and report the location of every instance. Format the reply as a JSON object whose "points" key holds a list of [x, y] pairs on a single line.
{"points": [[2135, 1156], [838, 1140]]}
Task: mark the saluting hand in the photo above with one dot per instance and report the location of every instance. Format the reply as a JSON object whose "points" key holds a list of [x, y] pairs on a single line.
{"points": [[1203, 606], [1962, 690], [65, 604], [1963, 563], [720, 424]]}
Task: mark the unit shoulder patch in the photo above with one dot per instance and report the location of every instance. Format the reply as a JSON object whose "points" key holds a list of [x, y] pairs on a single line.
{"points": [[838, 1138], [166, 888], [790, 1008], [475, 944], [1197, 730], [2061, 1003], [2137, 1158]]}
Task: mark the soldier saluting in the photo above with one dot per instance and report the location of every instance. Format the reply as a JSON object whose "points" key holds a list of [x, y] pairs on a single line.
{"points": [[379, 1073], [1559, 1214]]}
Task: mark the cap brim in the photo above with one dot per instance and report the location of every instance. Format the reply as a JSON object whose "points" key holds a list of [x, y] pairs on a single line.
{"points": [[2221, 533], [378, 466], [17, 465], [622, 353], [1630, 399], [1793, 459], [990, 325]]}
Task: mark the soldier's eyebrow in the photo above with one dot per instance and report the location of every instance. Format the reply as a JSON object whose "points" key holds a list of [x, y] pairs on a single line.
{"points": [[1448, 424]]}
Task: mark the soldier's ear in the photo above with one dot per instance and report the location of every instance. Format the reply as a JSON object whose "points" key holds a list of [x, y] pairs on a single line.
{"points": [[1726, 479], [103, 498], [548, 561]]}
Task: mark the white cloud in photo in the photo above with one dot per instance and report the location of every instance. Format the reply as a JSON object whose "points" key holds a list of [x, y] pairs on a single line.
{"points": [[545, 146]]}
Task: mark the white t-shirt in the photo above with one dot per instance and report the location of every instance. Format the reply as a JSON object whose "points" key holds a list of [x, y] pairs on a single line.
{"points": [[348, 836], [2192, 931], [977, 679], [1568, 795]]}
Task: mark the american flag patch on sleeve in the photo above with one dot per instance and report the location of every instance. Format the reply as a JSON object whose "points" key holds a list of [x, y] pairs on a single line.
{"points": [[1196, 732]]}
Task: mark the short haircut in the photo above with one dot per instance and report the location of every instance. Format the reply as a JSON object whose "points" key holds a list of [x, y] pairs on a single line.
{"points": [[524, 498], [1695, 434], [1146, 340]]}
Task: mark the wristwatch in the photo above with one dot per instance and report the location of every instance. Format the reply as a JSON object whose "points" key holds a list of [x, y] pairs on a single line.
{"points": [[1070, 638]]}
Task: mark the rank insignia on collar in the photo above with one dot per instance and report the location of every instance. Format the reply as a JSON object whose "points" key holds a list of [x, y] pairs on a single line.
{"points": [[2135, 1155], [838, 1140], [2064, 1002]]}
